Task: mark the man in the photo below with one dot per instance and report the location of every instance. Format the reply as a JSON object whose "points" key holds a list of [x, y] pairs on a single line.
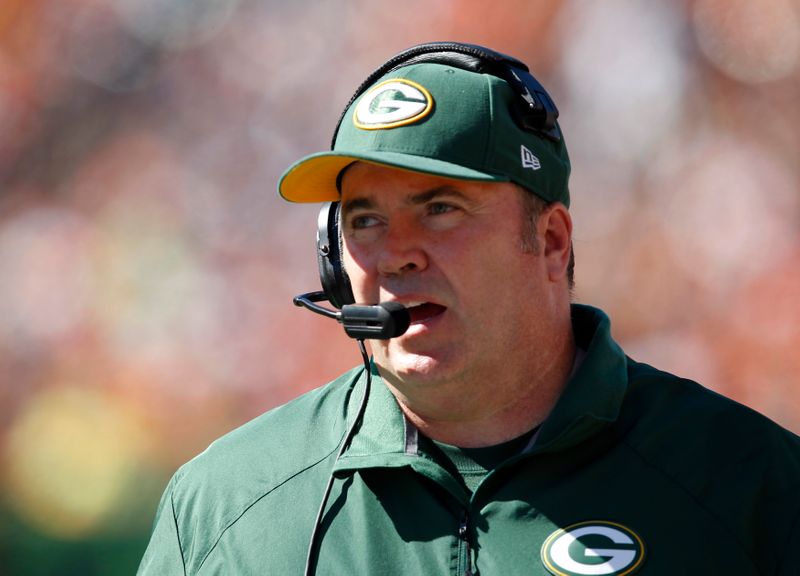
{"points": [[504, 432]]}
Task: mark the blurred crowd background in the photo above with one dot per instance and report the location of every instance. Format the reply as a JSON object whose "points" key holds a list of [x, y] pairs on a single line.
{"points": [[147, 265]]}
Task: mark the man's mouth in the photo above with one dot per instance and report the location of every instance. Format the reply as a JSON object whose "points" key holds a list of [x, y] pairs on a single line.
{"points": [[423, 311]]}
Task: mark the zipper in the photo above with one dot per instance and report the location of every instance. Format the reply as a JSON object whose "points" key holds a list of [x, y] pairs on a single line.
{"points": [[463, 535]]}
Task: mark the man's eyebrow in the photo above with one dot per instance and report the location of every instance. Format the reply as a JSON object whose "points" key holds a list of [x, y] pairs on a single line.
{"points": [[439, 191], [366, 203], [363, 203]]}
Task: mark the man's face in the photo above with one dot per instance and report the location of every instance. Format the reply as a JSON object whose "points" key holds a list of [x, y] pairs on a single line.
{"points": [[451, 251]]}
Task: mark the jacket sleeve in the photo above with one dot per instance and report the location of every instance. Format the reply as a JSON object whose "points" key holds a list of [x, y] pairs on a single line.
{"points": [[164, 556]]}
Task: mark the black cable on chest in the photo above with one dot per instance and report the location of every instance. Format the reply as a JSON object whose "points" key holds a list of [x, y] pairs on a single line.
{"points": [[311, 557]]}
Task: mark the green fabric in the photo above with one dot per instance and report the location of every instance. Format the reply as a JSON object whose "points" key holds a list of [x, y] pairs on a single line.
{"points": [[471, 465], [468, 133], [709, 486]]}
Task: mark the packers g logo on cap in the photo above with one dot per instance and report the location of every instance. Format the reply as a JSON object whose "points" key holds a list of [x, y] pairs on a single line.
{"points": [[392, 103], [593, 549]]}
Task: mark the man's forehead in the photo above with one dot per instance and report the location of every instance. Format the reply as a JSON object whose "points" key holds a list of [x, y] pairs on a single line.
{"points": [[360, 171]]}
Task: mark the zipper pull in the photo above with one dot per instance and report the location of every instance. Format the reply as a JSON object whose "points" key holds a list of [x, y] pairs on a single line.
{"points": [[463, 533]]}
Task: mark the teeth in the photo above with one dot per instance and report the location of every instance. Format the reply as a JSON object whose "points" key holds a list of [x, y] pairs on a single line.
{"points": [[413, 303]]}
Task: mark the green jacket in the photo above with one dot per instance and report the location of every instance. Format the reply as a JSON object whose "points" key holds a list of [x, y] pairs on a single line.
{"points": [[635, 470]]}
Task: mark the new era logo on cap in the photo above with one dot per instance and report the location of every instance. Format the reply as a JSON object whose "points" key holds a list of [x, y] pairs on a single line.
{"points": [[528, 159]]}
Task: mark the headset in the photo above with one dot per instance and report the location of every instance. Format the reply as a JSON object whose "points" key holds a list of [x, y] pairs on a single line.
{"points": [[332, 275], [533, 110]]}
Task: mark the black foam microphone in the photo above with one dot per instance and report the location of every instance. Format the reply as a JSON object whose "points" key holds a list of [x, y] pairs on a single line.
{"points": [[379, 322]]}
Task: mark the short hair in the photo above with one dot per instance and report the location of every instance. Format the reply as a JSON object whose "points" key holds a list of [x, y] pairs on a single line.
{"points": [[533, 206]]}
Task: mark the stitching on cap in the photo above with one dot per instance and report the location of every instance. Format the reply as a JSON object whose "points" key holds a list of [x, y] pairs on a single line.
{"points": [[488, 153]]}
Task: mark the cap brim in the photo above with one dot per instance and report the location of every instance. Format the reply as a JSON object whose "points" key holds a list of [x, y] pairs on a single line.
{"points": [[313, 179]]}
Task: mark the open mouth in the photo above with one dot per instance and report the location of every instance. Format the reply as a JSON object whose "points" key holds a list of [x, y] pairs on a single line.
{"points": [[424, 311]]}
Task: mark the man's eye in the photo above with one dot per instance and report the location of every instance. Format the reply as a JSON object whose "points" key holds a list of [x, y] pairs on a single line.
{"points": [[440, 208], [361, 222]]}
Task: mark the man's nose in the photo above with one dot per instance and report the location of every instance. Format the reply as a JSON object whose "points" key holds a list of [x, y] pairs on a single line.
{"points": [[402, 251]]}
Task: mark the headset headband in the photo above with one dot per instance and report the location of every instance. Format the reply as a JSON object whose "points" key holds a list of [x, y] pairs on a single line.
{"points": [[534, 110]]}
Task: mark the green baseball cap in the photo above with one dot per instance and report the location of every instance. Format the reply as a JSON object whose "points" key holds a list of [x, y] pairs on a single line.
{"points": [[435, 119]]}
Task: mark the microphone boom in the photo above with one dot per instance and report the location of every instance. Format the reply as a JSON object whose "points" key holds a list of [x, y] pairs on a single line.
{"points": [[379, 322]]}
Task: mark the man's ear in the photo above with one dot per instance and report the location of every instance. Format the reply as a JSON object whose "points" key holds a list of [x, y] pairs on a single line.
{"points": [[556, 226]]}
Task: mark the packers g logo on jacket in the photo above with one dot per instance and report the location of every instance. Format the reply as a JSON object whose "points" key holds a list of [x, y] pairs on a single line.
{"points": [[593, 549], [392, 103]]}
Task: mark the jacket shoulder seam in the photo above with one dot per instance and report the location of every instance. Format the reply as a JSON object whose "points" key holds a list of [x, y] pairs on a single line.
{"points": [[256, 500], [274, 486], [177, 531]]}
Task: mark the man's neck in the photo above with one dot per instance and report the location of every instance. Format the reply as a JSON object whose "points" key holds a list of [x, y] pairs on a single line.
{"points": [[515, 404]]}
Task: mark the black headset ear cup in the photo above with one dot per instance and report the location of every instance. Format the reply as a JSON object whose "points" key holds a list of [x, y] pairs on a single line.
{"points": [[332, 276]]}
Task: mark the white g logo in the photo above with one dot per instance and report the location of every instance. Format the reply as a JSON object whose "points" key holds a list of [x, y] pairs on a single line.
{"points": [[593, 549], [392, 103]]}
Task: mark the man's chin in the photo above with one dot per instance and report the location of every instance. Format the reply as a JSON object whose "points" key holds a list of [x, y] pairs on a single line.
{"points": [[409, 368]]}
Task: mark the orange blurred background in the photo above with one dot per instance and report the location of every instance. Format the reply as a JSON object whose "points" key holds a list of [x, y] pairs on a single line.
{"points": [[148, 265]]}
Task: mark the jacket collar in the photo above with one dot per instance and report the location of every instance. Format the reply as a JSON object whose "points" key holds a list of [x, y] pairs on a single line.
{"points": [[593, 396]]}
